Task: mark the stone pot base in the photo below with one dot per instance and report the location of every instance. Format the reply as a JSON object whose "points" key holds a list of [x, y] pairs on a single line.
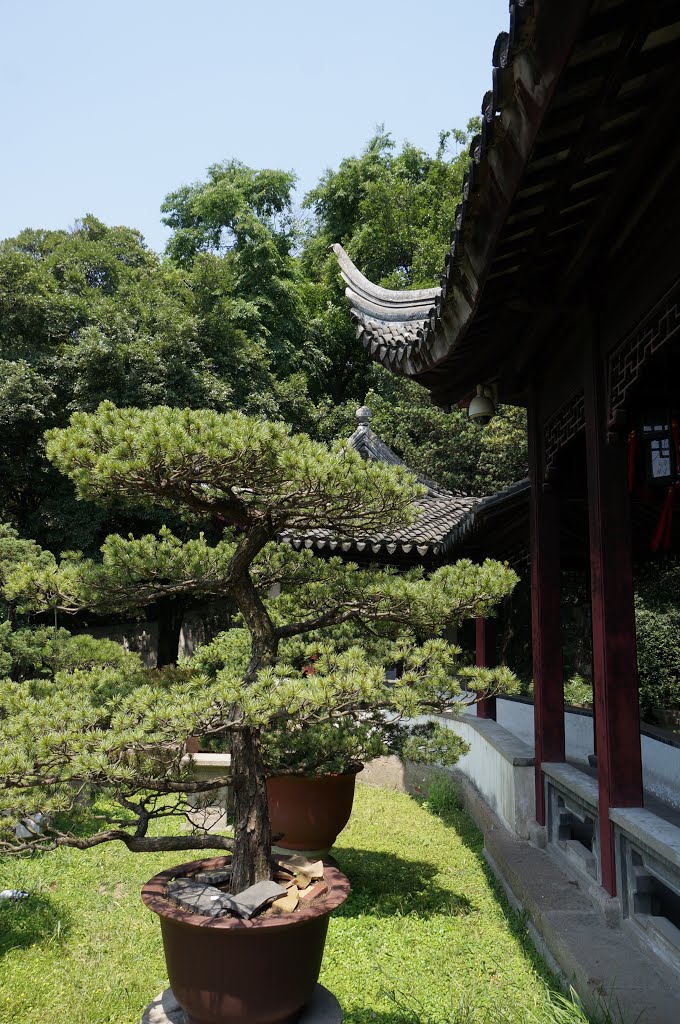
{"points": [[323, 1008], [322, 854]]}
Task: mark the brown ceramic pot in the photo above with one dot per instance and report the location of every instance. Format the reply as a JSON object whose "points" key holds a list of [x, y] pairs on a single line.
{"points": [[310, 811], [229, 971]]}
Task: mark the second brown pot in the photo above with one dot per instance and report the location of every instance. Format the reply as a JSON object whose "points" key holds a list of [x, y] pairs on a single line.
{"points": [[311, 811]]}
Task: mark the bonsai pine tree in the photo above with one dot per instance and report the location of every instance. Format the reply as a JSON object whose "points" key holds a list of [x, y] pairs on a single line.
{"points": [[133, 574], [121, 729]]}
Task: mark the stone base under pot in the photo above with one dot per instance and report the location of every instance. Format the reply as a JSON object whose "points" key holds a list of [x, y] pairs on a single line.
{"points": [[323, 1008], [321, 854]]}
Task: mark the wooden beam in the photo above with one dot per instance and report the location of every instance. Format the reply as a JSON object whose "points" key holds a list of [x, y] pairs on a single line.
{"points": [[619, 215], [633, 39], [546, 623], [615, 679], [635, 190]]}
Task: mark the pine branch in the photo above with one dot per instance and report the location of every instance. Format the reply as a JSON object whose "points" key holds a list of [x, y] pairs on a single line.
{"points": [[145, 844]]}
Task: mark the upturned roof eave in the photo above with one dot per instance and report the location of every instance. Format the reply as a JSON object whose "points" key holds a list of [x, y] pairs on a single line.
{"points": [[528, 61]]}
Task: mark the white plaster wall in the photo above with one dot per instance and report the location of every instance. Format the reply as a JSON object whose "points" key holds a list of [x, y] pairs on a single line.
{"points": [[578, 737], [661, 769], [507, 788], [660, 761], [517, 718]]}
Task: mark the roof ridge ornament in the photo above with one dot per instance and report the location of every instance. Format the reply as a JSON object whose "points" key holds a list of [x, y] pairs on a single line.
{"points": [[363, 416]]}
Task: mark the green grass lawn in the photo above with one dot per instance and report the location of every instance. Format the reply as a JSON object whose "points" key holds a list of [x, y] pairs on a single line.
{"points": [[424, 937]]}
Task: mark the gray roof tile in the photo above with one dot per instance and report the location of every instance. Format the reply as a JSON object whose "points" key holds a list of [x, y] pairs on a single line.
{"points": [[440, 512]]}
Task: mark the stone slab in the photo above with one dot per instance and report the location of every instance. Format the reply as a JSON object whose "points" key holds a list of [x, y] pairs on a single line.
{"points": [[252, 899], [323, 1008], [608, 966], [573, 780], [220, 877], [199, 898], [652, 833]]}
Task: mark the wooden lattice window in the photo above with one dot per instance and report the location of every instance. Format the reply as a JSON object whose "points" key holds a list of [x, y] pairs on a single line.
{"points": [[654, 331], [560, 428]]}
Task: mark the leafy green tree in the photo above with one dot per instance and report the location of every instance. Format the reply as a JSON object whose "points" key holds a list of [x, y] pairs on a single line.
{"points": [[92, 314], [250, 479], [246, 312], [244, 219], [85, 315], [447, 446], [393, 213]]}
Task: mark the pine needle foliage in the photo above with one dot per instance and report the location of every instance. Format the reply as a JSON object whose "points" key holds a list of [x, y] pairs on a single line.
{"points": [[341, 664]]}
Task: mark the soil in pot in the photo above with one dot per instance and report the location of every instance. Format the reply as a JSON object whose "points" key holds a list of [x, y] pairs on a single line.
{"points": [[310, 812], [230, 970]]}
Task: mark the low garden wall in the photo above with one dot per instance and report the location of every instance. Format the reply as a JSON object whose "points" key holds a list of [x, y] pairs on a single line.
{"points": [[660, 749], [501, 767], [498, 765]]}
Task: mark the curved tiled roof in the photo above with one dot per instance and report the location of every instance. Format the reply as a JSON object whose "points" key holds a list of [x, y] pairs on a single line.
{"points": [[390, 323], [575, 88], [439, 512], [415, 343]]}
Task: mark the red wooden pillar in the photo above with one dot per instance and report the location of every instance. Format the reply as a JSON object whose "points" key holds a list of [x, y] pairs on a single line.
{"points": [[485, 657], [546, 622], [615, 680]]}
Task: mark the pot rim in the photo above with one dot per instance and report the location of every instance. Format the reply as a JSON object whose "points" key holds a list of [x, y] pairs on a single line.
{"points": [[352, 769], [153, 895]]}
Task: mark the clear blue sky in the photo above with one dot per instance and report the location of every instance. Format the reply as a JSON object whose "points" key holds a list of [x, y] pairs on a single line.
{"points": [[109, 106]]}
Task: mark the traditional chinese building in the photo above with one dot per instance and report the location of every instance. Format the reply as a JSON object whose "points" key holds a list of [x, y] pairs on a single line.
{"points": [[439, 516], [561, 293]]}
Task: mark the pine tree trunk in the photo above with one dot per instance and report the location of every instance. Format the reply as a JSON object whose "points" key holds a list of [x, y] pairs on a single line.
{"points": [[252, 828], [252, 831]]}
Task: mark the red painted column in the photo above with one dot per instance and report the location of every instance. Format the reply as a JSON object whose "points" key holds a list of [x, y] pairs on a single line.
{"points": [[615, 680], [485, 657], [546, 621]]}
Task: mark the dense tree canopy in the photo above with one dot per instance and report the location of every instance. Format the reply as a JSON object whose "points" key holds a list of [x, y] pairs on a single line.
{"points": [[90, 314], [245, 311], [392, 211]]}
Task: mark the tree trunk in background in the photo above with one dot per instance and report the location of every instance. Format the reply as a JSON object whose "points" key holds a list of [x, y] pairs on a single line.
{"points": [[170, 618]]}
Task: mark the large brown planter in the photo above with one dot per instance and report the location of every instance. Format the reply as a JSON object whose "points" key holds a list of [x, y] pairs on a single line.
{"points": [[229, 971], [310, 811]]}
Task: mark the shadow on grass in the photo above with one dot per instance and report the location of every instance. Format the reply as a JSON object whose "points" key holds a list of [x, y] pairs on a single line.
{"points": [[31, 921], [407, 1010], [384, 884], [443, 802]]}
